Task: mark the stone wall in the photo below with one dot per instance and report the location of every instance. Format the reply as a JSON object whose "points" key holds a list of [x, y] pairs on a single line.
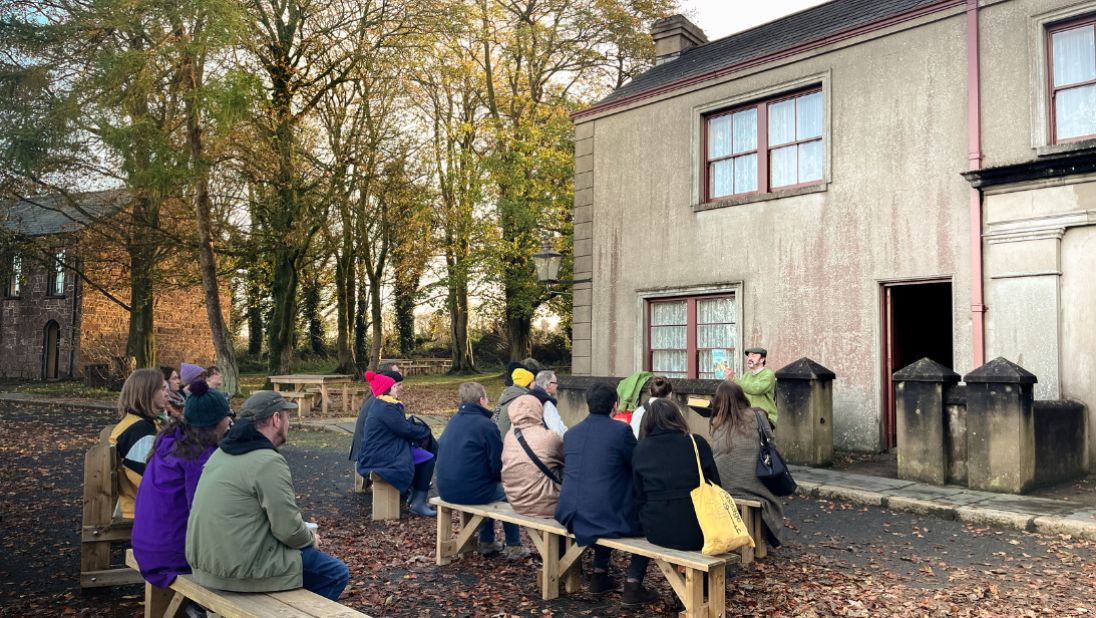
{"points": [[181, 326], [572, 398], [23, 326]]}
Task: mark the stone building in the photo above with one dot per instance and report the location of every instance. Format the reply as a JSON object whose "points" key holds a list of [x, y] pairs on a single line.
{"points": [[864, 183], [54, 323]]}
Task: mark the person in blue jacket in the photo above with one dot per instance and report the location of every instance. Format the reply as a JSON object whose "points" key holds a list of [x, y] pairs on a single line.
{"points": [[598, 500], [394, 447], [470, 467]]}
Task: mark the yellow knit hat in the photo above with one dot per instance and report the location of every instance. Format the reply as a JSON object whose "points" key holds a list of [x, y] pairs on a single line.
{"points": [[522, 377]]}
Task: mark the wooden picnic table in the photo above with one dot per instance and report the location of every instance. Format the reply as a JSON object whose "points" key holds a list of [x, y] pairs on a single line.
{"points": [[299, 381]]}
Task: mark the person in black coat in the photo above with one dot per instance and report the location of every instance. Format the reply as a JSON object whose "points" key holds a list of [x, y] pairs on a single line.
{"points": [[665, 473], [597, 499]]}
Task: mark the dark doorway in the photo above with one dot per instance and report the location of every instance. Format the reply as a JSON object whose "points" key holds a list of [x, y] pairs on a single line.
{"points": [[52, 351], [917, 323]]}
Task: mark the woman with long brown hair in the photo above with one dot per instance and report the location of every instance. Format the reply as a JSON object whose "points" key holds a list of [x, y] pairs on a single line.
{"points": [[734, 427], [142, 401]]}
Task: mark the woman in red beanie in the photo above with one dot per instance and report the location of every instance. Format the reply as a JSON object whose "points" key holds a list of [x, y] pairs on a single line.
{"points": [[393, 446]]}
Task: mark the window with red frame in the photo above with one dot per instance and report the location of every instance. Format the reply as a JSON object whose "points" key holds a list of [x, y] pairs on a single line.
{"points": [[1073, 80], [687, 336], [775, 144]]}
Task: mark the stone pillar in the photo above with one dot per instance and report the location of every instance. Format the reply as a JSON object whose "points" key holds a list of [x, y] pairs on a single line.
{"points": [[922, 424], [804, 401], [1000, 427]]}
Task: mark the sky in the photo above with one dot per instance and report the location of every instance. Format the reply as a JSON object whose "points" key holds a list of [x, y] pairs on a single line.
{"points": [[718, 18]]}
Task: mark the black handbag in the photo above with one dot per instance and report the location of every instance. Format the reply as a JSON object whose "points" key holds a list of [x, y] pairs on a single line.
{"points": [[771, 470]]}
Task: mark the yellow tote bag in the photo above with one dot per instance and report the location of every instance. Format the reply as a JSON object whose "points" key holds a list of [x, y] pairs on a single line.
{"points": [[718, 515]]}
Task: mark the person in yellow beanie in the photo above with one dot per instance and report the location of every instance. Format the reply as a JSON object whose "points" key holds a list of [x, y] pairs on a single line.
{"points": [[518, 379]]}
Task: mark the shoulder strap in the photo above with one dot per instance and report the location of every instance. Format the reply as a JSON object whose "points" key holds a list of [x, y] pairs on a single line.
{"points": [[536, 460], [761, 430], [699, 469]]}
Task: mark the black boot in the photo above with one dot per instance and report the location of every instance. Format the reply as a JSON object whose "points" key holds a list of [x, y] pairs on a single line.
{"points": [[419, 506], [635, 595], [601, 583]]}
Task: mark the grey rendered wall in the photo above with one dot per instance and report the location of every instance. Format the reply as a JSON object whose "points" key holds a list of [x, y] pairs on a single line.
{"points": [[809, 266]]}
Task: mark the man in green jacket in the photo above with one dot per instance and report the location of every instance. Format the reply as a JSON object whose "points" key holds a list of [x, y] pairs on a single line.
{"points": [[245, 531], [759, 382]]}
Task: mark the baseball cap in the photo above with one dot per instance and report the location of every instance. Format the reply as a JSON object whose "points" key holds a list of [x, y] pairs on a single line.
{"points": [[264, 404]]}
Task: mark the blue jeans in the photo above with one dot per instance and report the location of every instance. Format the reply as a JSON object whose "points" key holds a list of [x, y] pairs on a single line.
{"points": [[487, 528], [325, 575]]}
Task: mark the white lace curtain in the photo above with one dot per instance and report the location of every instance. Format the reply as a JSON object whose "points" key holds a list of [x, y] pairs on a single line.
{"points": [[1074, 62]]}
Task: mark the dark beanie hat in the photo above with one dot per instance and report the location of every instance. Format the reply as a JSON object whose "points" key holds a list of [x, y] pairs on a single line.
{"points": [[395, 375], [204, 407], [510, 371]]}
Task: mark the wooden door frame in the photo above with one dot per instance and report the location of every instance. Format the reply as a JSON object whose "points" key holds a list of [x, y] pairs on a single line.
{"points": [[886, 335]]}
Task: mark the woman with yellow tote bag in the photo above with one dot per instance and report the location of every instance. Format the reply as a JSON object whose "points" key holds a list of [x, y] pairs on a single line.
{"points": [[663, 465]]}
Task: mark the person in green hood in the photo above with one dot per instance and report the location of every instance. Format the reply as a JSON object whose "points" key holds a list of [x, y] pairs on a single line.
{"points": [[245, 532]]}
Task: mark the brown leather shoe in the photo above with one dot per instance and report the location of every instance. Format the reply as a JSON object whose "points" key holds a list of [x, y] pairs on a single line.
{"points": [[601, 583], [635, 595]]}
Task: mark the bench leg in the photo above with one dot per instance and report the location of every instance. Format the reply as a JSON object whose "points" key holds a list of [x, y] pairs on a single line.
{"points": [[386, 500], [160, 603], [446, 547], [759, 535], [94, 557], [361, 485], [694, 594], [746, 551], [572, 574], [468, 542], [717, 591], [550, 562]]}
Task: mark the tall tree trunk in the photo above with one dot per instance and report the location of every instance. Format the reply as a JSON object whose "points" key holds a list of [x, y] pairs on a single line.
{"points": [[406, 287], [141, 344], [361, 354], [222, 338], [344, 301], [460, 344], [519, 336], [254, 321], [378, 332], [282, 323]]}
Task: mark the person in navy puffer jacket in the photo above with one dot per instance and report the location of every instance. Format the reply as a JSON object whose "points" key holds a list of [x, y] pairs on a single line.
{"points": [[470, 466]]}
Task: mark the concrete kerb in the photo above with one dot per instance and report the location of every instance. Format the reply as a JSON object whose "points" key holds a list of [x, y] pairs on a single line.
{"points": [[989, 518]]}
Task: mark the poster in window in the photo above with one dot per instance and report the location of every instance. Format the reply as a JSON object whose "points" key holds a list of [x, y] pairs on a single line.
{"points": [[720, 363]]}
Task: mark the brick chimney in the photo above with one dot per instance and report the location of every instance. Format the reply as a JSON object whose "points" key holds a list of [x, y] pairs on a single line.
{"points": [[674, 35]]}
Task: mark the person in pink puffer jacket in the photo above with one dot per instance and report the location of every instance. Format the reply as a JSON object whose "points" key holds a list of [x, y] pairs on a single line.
{"points": [[531, 492]]}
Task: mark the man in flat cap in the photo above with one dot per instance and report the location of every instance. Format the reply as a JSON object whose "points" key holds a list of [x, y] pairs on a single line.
{"points": [[758, 382], [245, 532]]}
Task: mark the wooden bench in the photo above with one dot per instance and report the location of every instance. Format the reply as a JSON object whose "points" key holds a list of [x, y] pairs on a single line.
{"points": [[304, 401], [386, 499], [299, 603], [546, 535], [751, 516], [100, 527]]}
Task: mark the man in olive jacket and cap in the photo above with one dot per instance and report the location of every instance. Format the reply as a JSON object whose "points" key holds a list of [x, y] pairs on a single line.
{"points": [[245, 531]]}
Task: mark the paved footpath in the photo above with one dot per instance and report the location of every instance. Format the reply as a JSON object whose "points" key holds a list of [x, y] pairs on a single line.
{"points": [[1009, 511]]}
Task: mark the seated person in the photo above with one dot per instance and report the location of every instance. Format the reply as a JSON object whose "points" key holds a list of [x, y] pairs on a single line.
{"points": [[733, 427], [661, 388], [214, 377], [528, 489], [597, 499], [544, 389], [142, 400], [363, 413], [518, 381], [387, 440], [665, 473], [470, 466], [245, 532], [175, 398], [188, 373], [171, 477]]}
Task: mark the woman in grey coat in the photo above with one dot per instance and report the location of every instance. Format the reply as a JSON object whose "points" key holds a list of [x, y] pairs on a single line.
{"points": [[735, 444]]}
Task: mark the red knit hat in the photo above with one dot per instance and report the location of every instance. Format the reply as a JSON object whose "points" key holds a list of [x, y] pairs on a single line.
{"points": [[378, 383]]}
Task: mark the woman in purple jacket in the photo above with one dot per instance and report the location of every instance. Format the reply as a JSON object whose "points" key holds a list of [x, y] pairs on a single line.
{"points": [[171, 476]]}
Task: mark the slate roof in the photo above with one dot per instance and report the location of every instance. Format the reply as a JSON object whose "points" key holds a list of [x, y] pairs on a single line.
{"points": [[41, 216], [803, 27]]}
